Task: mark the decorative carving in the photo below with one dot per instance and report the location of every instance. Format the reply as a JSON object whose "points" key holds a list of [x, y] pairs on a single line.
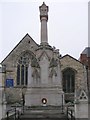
{"points": [[83, 95], [44, 54], [43, 11], [53, 63], [25, 58], [34, 63], [36, 76], [35, 73], [52, 73]]}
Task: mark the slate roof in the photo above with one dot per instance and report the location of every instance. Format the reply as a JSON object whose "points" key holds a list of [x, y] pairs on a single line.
{"points": [[86, 51]]}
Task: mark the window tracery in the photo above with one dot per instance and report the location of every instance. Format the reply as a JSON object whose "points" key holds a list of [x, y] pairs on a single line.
{"points": [[22, 69]]}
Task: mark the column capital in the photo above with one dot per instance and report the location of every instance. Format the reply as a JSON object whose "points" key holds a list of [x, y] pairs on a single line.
{"points": [[44, 11]]}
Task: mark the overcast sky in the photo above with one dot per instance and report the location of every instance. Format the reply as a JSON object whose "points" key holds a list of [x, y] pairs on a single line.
{"points": [[67, 24]]}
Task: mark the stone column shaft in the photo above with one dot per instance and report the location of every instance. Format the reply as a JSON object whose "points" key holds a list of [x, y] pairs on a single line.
{"points": [[44, 36]]}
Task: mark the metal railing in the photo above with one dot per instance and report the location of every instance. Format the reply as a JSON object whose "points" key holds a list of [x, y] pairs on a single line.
{"points": [[13, 113], [70, 114]]}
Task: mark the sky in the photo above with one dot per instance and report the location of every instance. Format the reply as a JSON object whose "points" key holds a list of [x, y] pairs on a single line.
{"points": [[67, 24]]}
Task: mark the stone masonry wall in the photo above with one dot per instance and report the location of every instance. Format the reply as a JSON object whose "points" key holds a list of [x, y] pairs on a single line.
{"points": [[80, 79]]}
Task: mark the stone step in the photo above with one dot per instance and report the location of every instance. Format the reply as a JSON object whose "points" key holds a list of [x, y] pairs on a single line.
{"points": [[41, 116], [43, 119], [43, 113], [43, 108]]}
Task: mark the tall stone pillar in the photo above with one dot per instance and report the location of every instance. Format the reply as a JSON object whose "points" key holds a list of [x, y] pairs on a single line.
{"points": [[44, 18]]}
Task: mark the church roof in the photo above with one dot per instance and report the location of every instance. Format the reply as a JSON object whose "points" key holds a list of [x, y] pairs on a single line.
{"points": [[86, 51], [71, 57], [25, 37]]}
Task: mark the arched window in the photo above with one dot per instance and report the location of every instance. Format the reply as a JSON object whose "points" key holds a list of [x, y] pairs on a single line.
{"points": [[22, 70], [68, 80], [22, 74]]}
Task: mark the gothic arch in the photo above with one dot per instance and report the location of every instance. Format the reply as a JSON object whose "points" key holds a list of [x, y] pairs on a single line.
{"points": [[68, 80], [23, 62], [44, 54], [70, 69], [26, 53]]}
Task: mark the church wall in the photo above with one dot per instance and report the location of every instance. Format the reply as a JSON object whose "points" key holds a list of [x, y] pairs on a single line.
{"points": [[24, 45], [89, 78], [80, 82], [80, 79], [27, 44]]}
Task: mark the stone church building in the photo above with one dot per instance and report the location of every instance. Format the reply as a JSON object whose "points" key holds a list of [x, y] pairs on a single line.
{"points": [[41, 74]]}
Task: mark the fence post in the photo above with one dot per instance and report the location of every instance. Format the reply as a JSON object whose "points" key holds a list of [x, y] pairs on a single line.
{"points": [[18, 114], [71, 115], [7, 115], [67, 113], [62, 103], [15, 113]]}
